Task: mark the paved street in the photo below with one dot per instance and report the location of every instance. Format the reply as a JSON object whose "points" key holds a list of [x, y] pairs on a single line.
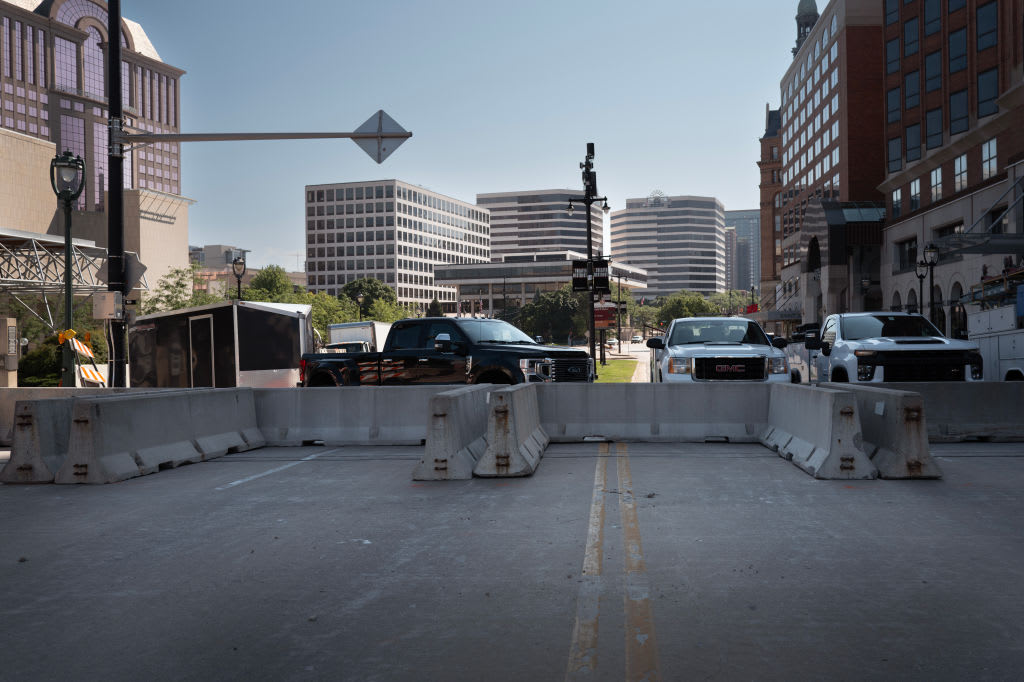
{"points": [[614, 561]]}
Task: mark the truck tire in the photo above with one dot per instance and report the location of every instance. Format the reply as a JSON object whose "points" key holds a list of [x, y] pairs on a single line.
{"points": [[839, 376], [494, 378]]}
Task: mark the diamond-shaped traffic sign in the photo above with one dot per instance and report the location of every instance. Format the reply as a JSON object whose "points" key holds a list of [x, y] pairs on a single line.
{"points": [[388, 136]]}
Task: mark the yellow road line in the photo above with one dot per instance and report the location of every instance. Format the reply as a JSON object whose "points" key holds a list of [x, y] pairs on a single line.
{"points": [[583, 650], [641, 645]]}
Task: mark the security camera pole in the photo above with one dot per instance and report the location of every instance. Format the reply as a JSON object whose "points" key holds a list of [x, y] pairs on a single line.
{"points": [[379, 136], [588, 198]]}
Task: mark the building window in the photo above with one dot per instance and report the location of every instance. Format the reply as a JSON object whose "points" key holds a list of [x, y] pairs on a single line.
{"points": [[989, 164], [987, 35], [915, 194], [958, 112], [892, 11], [892, 55], [954, 5], [895, 157], [933, 71], [932, 17], [958, 50], [988, 91], [892, 105], [897, 202], [914, 142], [911, 40], [936, 180], [913, 89], [960, 173], [933, 128]]}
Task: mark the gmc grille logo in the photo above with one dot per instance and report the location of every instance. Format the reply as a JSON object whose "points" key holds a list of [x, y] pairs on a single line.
{"points": [[730, 369]]}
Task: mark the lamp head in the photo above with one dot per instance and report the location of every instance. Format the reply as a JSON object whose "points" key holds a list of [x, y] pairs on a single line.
{"points": [[238, 267], [67, 176], [570, 210], [921, 269], [605, 207], [931, 254]]}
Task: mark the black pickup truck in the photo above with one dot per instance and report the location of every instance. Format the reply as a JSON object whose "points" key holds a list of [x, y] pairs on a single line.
{"points": [[443, 350]]}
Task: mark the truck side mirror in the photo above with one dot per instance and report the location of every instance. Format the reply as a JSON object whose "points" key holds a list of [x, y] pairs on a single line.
{"points": [[826, 348], [443, 343], [779, 342], [656, 342], [811, 341]]}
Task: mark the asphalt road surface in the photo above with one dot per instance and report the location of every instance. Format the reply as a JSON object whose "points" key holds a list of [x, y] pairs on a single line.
{"points": [[613, 562]]}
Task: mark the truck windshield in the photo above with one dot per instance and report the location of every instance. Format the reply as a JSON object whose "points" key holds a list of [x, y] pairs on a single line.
{"points": [[493, 331], [725, 330], [874, 326]]}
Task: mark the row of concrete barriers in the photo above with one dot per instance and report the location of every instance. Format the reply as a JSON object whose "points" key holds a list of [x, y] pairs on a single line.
{"points": [[830, 431]]}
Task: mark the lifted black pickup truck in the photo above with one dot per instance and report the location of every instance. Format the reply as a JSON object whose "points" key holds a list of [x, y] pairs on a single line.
{"points": [[443, 350]]}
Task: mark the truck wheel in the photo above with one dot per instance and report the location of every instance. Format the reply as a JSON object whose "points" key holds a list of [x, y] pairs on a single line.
{"points": [[321, 381], [794, 377], [839, 376], [494, 378], [1014, 375]]}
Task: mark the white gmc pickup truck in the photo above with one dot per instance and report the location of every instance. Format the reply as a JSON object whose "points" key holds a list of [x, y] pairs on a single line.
{"points": [[883, 347], [717, 349]]}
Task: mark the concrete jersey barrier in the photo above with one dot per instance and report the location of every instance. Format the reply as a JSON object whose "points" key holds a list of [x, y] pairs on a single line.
{"points": [[515, 438], [970, 410], [818, 429], [9, 397], [895, 435], [40, 441], [456, 434], [346, 415], [113, 438], [692, 413]]}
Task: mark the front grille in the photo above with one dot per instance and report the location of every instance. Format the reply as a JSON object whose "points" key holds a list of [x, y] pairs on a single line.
{"points": [[570, 369], [729, 369], [923, 366]]}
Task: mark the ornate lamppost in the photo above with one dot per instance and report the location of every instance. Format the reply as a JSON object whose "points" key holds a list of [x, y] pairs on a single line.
{"points": [[238, 267], [931, 258], [67, 177]]}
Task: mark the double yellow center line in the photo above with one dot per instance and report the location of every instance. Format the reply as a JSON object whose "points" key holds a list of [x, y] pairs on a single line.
{"points": [[640, 644]]}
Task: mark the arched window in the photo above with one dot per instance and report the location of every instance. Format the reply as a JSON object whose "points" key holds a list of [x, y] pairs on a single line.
{"points": [[92, 62], [938, 315], [912, 302], [897, 305]]}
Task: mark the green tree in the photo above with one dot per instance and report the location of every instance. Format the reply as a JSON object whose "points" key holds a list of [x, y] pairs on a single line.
{"points": [[386, 311], [685, 304], [555, 314], [371, 289], [175, 290], [434, 309], [732, 302], [270, 284], [42, 366]]}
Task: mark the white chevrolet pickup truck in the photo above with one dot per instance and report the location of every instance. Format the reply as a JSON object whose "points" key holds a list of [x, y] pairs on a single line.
{"points": [[717, 349], [882, 347]]}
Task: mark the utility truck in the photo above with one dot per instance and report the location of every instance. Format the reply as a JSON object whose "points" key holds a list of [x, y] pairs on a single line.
{"points": [[357, 337], [997, 326]]}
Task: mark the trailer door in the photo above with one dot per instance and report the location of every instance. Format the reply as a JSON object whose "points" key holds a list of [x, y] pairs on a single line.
{"points": [[200, 341]]}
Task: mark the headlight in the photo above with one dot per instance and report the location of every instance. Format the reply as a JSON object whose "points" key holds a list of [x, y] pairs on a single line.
{"points": [[778, 366], [865, 372], [977, 370], [680, 365], [538, 366]]}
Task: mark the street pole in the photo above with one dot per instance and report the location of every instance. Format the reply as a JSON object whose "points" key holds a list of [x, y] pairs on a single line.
{"points": [[68, 369], [67, 177], [115, 193], [618, 314], [589, 197]]}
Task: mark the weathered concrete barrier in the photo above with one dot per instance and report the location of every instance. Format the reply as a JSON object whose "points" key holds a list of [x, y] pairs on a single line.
{"points": [[9, 397], [895, 437], [40, 441], [456, 434], [350, 415], [113, 438], [515, 438], [654, 412], [970, 410], [818, 429]]}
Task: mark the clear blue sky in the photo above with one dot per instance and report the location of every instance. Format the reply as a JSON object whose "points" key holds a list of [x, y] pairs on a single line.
{"points": [[499, 96]]}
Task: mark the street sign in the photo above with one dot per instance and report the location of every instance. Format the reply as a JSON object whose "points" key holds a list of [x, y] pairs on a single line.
{"points": [[604, 315], [381, 146], [579, 276], [601, 282]]}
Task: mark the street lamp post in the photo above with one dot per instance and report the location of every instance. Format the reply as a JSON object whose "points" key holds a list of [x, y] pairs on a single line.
{"points": [[588, 198], [931, 257], [618, 314], [238, 267], [67, 177], [359, 300], [921, 270]]}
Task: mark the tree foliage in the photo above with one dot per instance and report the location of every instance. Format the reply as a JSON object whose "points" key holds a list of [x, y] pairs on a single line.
{"points": [[175, 290], [434, 309], [270, 284], [686, 304], [555, 314], [372, 290]]}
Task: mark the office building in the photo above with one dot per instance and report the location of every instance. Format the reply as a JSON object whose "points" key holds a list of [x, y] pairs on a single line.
{"points": [[831, 161], [747, 268], [954, 150], [729, 234], [52, 99], [392, 231], [678, 240], [537, 221]]}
